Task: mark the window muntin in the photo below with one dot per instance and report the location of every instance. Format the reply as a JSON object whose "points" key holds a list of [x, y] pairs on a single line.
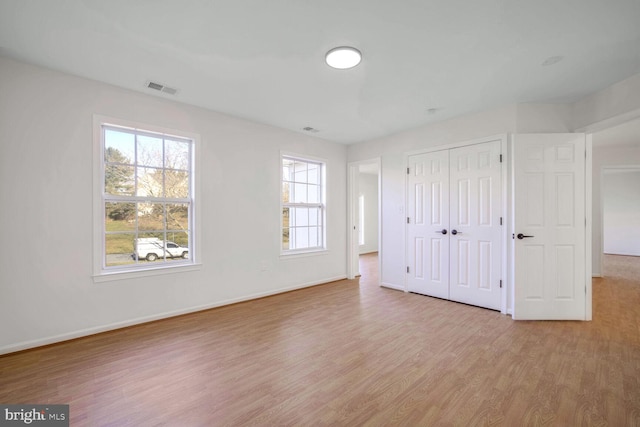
{"points": [[303, 208], [147, 199]]}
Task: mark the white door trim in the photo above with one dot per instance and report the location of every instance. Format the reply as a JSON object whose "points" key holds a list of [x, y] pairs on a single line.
{"points": [[503, 138], [588, 200]]}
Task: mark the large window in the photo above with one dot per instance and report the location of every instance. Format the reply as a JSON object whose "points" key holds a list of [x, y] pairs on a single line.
{"points": [[147, 199], [303, 206]]}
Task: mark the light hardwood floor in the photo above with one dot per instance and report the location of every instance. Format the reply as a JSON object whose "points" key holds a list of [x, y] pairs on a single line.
{"points": [[347, 353]]}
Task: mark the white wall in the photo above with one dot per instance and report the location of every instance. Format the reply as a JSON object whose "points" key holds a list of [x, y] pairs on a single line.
{"points": [[621, 211], [603, 157], [621, 99], [368, 187], [46, 191], [544, 118]]}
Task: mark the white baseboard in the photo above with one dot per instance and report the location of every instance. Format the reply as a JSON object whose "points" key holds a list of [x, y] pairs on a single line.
{"points": [[25, 345]]}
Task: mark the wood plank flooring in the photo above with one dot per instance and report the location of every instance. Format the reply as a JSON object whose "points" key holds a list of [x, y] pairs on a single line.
{"points": [[347, 353]]}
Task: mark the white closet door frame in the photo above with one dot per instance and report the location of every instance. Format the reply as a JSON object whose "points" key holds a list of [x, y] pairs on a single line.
{"points": [[503, 138]]}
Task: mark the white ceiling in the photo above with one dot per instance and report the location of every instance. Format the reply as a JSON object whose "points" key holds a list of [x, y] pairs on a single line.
{"points": [[264, 60]]}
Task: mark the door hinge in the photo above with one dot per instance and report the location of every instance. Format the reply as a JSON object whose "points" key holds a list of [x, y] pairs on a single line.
{"points": [[500, 283], [500, 220], [408, 220], [407, 171], [407, 269], [500, 158]]}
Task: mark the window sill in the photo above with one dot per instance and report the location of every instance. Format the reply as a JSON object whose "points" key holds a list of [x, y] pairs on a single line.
{"points": [[109, 276], [303, 254]]}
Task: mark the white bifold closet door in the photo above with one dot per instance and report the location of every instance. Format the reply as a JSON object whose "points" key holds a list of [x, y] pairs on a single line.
{"points": [[454, 234]]}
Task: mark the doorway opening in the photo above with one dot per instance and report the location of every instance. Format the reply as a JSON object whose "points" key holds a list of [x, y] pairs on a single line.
{"points": [[364, 219], [368, 265], [621, 222], [621, 267]]}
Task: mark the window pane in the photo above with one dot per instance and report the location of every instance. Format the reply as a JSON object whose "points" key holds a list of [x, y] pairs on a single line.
{"points": [[313, 216], [149, 182], [149, 151], [150, 247], [176, 154], [299, 172], [313, 193], [118, 180], [120, 216], [285, 238], [177, 217], [313, 237], [176, 184], [177, 246], [119, 249], [119, 147], [287, 169], [180, 238], [302, 237], [285, 192], [299, 193], [150, 216], [293, 219], [292, 238], [302, 216], [285, 217], [313, 174]]}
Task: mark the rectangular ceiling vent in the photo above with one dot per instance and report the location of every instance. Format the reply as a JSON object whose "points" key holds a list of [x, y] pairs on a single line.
{"points": [[162, 88]]}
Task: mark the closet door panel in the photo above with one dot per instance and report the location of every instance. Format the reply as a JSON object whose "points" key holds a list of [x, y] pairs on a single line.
{"points": [[428, 224], [475, 225]]}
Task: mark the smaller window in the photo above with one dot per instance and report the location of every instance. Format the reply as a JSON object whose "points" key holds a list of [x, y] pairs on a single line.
{"points": [[303, 205]]}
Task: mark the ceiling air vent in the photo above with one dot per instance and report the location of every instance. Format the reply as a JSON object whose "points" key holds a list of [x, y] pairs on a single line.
{"points": [[310, 129], [162, 88]]}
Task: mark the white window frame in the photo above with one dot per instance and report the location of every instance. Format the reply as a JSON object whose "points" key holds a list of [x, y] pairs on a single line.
{"points": [[103, 273], [322, 248]]}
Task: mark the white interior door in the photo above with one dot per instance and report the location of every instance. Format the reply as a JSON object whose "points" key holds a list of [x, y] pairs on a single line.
{"points": [[428, 224], [549, 225], [476, 235]]}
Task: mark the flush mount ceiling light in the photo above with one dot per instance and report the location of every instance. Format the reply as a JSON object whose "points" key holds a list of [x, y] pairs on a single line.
{"points": [[343, 57]]}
